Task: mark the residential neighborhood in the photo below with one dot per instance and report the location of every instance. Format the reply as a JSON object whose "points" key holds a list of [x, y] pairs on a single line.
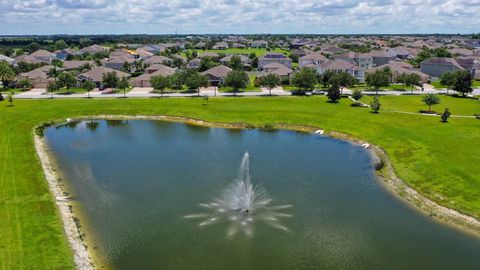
{"points": [[215, 57]]}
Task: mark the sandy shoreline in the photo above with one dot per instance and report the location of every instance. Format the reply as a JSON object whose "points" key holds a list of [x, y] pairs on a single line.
{"points": [[81, 256], [386, 177]]}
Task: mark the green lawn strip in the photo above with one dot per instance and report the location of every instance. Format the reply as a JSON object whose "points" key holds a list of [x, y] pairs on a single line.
{"points": [[457, 105], [74, 90], [391, 87], [436, 159], [438, 85]]}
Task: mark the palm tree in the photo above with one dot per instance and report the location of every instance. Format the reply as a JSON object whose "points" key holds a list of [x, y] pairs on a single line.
{"points": [[6, 75], [53, 73]]}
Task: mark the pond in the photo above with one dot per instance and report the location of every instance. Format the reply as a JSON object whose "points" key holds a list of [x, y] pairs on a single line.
{"points": [[141, 185]]}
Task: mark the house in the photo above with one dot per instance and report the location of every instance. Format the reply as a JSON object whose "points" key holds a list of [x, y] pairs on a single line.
{"points": [[40, 56], [342, 66], [93, 49], [158, 59], [96, 75], [401, 53], [143, 54], [6, 59], [301, 52], [380, 58], [153, 48], [330, 49], [154, 70], [63, 54], [274, 58], [239, 45], [156, 67], [118, 62], [220, 45], [200, 45], [436, 66], [37, 77], [399, 68], [194, 63], [278, 69], [209, 54], [314, 58], [298, 43], [71, 65], [216, 75], [363, 60], [259, 44], [246, 62]]}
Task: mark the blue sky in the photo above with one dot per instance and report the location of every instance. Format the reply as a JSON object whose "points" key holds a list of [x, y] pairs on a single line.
{"points": [[238, 16]]}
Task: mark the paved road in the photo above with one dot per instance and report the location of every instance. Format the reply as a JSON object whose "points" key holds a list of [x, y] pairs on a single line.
{"points": [[209, 91]]}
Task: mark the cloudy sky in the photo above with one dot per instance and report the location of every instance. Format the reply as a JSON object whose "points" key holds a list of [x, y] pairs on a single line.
{"points": [[238, 16]]}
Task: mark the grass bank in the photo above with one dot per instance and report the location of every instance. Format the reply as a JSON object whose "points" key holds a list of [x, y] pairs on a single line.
{"points": [[438, 160]]}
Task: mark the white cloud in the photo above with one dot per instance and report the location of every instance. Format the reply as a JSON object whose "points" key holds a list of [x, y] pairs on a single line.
{"points": [[238, 16]]}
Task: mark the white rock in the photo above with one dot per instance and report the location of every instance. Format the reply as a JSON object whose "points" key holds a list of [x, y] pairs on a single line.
{"points": [[319, 132], [365, 145]]}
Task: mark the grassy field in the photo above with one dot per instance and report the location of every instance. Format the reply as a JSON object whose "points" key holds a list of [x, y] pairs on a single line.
{"points": [[439, 160], [394, 87], [457, 105]]}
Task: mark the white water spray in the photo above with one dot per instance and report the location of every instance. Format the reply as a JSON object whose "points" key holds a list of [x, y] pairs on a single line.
{"points": [[243, 205]]}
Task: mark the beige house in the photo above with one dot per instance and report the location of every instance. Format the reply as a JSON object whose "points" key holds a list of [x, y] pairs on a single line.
{"points": [[216, 75], [155, 70]]}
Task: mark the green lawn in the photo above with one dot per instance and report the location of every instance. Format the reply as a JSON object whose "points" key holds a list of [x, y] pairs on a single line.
{"points": [[438, 85], [74, 90], [395, 87], [258, 52], [250, 88], [457, 105], [439, 160]]}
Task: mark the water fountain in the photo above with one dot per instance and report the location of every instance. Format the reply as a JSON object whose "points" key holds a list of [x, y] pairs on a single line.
{"points": [[243, 204]]}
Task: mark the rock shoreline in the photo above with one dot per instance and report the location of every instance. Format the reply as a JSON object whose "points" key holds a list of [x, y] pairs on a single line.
{"points": [[81, 257]]}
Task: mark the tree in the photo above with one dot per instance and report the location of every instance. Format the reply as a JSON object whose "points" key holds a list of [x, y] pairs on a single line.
{"points": [[177, 80], [463, 82], [235, 63], [67, 79], [448, 79], [123, 84], [53, 73], [333, 93], [237, 80], [402, 78], [89, 86], [305, 79], [270, 81], [357, 95], [10, 98], [32, 47], [375, 105], [207, 63], [445, 115], [413, 79], [325, 77], [110, 79], [377, 79], [195, 80], [24, 84], [126, 67], [52, 87], [343, 79], [160, 83], [60, 44], [6, 75], [430, 100]]}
